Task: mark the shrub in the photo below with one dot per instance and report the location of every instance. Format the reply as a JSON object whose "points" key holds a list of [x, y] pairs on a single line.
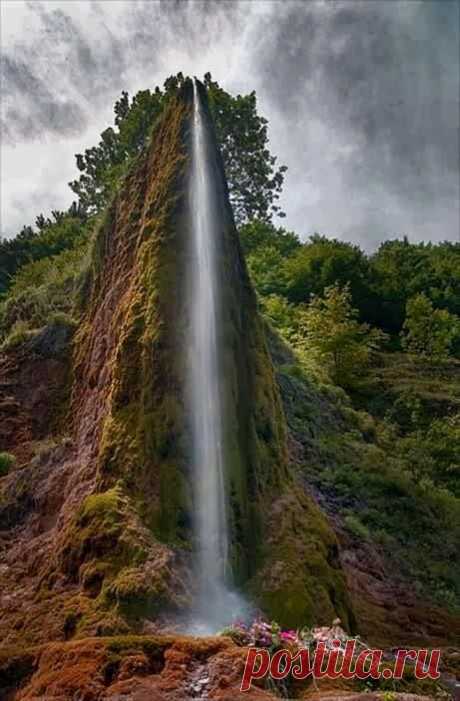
{"points": [[330, 331], [356, 527], [281, 314], [427, 331], [40, 291], [17, 335], [7, 461]]}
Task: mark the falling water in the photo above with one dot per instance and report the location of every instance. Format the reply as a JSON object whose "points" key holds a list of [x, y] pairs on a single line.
{"points": [[211, 529]]}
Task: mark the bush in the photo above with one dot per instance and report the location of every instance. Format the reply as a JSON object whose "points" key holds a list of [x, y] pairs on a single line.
{"points": [[330, 332], [40, 291], [282, 315], [64, 231], [7, 461], [427, 331], [18, 334], [356, 527]]}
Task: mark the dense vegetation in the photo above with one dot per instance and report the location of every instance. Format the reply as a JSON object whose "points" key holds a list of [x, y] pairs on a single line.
{"points": [[377, 334]]}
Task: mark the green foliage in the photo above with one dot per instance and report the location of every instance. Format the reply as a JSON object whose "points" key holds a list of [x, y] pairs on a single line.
{"points": [[322, 263], [381, 285], [254, 180], [266, 271], [40, 290], [266, 248], [400, 270], [358, 464], [432, 456], [103, 165], [427, 331], [7, 461], [329, 330], [257, 235], [282, 315], [64, 231]]}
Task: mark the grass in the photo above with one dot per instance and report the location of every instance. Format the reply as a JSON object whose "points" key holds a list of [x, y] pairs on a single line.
{"points": [[42, 292]]}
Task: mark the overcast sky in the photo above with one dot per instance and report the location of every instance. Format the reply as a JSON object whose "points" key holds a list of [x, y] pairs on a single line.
{"points": [[362, 99]]}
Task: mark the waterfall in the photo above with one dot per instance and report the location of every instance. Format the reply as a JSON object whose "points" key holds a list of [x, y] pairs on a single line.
{"points": [[206, 405]]}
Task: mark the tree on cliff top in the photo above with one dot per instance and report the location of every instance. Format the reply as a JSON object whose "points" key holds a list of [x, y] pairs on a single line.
{"points": [[254, 179]]}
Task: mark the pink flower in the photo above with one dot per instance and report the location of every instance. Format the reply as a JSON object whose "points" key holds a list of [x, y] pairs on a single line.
{"points": [[288, 635]]}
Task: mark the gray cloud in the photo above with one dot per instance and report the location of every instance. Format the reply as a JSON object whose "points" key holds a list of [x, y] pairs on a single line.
{"points": [[29, 106], [382, 80], [55, 82], [362, 97]]}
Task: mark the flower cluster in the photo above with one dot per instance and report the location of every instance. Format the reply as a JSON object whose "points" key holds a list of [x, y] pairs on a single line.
{"points": [[262, 634]]}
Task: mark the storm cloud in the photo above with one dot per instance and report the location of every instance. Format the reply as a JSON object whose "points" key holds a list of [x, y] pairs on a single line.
{"points": [[375, 89], [362, 99]]}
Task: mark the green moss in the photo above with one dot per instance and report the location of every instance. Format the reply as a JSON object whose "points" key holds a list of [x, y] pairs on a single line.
{"points": [[142, 426], [140, 257], [101, 531], [128, 644], [409, 684], [137, 594], [101, 508], [19, 334], [7, 462], [301, 582]]}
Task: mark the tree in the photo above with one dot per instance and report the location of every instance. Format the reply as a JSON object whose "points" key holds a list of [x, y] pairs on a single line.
{"points": [[400, 270], [324, 262], [392, 269], [102, 166], [330, 332], [266, 270], [64, 230], [266, 247], [428, 332], [257, 235], [282, 315], [433, 453], [254, 180]]}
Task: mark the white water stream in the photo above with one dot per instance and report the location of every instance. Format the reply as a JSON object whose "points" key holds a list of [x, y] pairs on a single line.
{"points": [[215, 602]]}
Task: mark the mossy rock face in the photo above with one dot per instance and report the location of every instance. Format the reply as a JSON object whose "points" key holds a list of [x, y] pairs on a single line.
{"points": [[130, 402], [103, 528], [301, 582]]}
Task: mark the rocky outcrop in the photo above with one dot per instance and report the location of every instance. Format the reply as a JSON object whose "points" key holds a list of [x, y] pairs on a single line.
{"points": [[97, 521], [34, 389]]}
